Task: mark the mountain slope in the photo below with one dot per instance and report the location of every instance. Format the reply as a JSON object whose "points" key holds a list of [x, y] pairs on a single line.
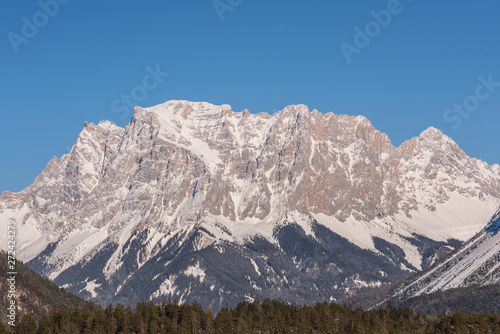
{"points": [[467, 299], [476, 263], [219, 205], [465, 280], [35, 294]]}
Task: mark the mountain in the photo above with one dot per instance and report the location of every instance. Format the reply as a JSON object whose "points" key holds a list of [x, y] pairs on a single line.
{"points": [[197, 202], [477, 263], [466, 280], [36, 295]]}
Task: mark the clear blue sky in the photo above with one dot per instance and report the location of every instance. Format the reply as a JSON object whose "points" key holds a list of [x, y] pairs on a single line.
{"points": [[263, 56]]}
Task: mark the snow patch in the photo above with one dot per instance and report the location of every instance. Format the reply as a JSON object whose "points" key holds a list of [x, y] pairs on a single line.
{"points": [[90, 287], [167, 288], [196, 272], [255, 266]]}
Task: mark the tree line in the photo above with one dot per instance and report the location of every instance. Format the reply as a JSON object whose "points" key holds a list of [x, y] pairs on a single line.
{"points": [[269, 316]]}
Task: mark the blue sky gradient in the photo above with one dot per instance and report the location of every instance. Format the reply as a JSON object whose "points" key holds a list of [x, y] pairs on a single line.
{"points": [[261, 55]]}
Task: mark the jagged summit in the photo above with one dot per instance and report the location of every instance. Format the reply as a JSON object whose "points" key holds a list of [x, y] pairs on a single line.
{"points": [[185, 108], [432, 134], [432, 131], [201, 200]]}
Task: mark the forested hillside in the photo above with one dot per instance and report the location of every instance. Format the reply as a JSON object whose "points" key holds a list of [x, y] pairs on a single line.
{"points": [[47, 308], [36, 294], [470, 299], [270, 316]]}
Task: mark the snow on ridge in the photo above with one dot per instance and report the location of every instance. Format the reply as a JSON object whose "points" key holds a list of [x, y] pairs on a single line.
{"points": [[435, 225], [432, 224], [120, 237], [222, 139], [75, 246], [172, 104], [468, 265], [458, 269], [469, 216], [30, 240], [474, 263]]}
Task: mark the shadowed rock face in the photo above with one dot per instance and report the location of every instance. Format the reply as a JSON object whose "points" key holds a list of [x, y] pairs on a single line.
{"points": [[184, 178]]}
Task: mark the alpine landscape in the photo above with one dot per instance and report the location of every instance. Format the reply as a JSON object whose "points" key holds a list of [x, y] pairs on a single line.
{"points": [[210, 205], [246, 167]]}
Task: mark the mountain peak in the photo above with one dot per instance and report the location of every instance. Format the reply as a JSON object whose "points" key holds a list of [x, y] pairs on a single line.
{"points": [[175, 195], [296, 108], [429, 138], [181, 105], [432, 132]]}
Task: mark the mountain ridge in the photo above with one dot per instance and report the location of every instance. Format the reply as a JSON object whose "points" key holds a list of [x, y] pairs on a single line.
{"points": [[190, 185], [476, 263]]}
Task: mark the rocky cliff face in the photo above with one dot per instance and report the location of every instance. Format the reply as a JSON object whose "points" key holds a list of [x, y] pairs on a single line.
{"points": [[204, 203]]}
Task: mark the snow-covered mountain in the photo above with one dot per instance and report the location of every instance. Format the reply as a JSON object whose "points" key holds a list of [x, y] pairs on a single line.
{"points": [[475, 263], [194, 201]]}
